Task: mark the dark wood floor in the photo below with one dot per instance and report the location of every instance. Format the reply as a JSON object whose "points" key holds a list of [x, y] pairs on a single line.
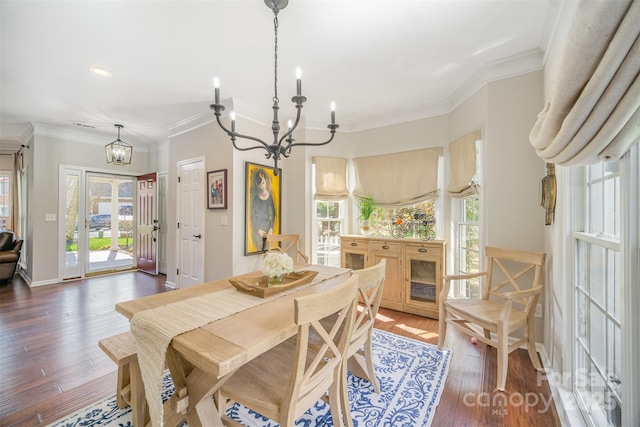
{"points": [[51, 365]]}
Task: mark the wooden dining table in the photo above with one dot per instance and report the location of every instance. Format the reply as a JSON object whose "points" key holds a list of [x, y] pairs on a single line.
{"points": [[202, 359]]}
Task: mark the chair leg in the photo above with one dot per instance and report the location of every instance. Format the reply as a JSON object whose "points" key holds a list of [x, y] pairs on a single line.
{"points": [[339, 399], [442, 328], [503, 356], [531, 346], [345, 409], [368, 356]]}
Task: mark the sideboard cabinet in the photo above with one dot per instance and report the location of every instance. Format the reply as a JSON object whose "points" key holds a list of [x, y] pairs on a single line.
{"points": [[414, 270]]}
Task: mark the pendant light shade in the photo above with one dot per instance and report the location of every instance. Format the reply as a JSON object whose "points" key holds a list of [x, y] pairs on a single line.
{"points": [[118, 152]]}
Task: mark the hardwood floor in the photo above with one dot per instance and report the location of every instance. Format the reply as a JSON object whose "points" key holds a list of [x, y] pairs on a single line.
{"points": [[51, 365]]}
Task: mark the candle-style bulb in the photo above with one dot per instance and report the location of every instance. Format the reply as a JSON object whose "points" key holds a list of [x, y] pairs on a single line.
{"points": [[232, 115], [289, 124], [298, 81], [333, 113], [216, 86]]}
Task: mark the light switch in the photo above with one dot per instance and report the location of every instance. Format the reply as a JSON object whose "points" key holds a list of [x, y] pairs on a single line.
{"points": [[50, 217], [223, 220]]}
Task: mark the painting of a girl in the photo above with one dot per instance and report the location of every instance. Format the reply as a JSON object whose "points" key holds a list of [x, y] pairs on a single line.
{"points": [[263, 206]]}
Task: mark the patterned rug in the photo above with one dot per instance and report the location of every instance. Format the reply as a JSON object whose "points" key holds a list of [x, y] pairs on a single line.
{"points": [[411, 375]]}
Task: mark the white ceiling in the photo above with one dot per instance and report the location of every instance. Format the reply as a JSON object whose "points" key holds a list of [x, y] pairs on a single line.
{"points": [[381, 62]]}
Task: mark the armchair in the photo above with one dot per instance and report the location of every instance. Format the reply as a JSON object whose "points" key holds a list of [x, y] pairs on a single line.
{"points": [[506, 305], [9, 255]]}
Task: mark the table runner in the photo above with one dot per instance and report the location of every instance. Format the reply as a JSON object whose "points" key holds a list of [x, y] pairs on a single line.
{"points": [[155, 328]]}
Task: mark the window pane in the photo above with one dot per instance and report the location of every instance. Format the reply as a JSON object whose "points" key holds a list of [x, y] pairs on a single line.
{"points": [[381, 222], [595, 207], [597, 329], [596, 271], [328, 227]]}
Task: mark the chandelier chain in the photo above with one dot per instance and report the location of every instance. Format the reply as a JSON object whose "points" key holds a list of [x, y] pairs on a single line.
{"points": [[276, 150], [275, 59]]}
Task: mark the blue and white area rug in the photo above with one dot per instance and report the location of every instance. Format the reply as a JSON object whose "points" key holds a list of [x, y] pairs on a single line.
{"points": [[411, 375]]}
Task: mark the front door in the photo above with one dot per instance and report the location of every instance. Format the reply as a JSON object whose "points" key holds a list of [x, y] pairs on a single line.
{"points": [[190, 215], [147, 224]]}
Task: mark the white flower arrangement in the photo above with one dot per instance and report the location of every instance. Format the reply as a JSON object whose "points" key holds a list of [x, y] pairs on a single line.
{"points": [[276, 264]]}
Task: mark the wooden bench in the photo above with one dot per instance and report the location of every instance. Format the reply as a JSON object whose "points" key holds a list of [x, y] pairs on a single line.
{"points": [[122, 349]]}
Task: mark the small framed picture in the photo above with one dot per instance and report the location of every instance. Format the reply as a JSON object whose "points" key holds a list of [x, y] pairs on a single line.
{"points": [[217, 189]]}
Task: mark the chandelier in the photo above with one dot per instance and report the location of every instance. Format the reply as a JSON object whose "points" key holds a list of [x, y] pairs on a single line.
{"points": [[281, 145], [118, 152]]}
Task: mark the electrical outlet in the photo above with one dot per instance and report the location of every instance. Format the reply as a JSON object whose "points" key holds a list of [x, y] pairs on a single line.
{"points": [[539, 310]]}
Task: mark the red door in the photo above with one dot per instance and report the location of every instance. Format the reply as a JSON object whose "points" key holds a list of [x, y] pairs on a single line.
{"points": [[147, 224]]}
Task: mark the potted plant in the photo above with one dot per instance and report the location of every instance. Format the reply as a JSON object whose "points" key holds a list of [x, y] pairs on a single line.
{"points": [[367, 207]]}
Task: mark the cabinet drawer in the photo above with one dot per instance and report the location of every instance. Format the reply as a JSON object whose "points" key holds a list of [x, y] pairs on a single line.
{"points": [[354, 244], [423, 249], [385, 246]]}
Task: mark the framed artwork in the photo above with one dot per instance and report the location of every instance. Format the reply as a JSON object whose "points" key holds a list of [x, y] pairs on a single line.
{"points": [[263, 192], [217, 189]]}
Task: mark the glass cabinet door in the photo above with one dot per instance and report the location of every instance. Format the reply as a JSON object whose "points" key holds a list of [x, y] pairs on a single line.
{"points": [[423, 281]]}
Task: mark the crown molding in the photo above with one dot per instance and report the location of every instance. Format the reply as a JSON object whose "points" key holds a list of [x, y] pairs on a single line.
{"points": [[79, 136]]}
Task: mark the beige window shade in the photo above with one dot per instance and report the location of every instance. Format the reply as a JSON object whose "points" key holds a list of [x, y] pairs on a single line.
{"points": [[594, 110], [331, 178], [398, 179], [462, 153]]}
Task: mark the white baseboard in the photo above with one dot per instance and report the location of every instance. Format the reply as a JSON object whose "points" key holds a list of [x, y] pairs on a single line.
{"points": [[566, 405]]}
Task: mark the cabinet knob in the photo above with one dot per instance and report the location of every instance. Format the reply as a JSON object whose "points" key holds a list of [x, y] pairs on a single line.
{"points": [[423, 250], [385, 246], [354, 244]]}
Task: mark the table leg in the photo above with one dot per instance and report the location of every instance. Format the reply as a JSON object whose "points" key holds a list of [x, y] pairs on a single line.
{"points": [[192, 400]]}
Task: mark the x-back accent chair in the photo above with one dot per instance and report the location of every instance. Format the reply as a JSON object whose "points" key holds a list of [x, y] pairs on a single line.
{"points": [[506, 305], [289, 243]]}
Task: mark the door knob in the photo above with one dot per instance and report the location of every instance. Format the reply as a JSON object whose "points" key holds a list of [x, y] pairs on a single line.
{"points": [[199, 236]]}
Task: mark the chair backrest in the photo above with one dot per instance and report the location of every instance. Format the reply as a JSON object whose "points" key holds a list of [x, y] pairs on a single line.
{"points": [[518, 271], [316, 367], [370, 284], [289, 243]]}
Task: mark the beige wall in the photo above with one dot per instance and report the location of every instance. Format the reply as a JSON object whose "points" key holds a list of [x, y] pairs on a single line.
{"points": [[49, 149]]}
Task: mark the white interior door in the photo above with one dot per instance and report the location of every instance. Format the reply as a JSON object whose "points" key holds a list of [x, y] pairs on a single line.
{"points": [[190, 216]]}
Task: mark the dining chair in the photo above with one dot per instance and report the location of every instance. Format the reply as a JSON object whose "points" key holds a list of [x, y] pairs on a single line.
{"points": [[284, 382], [359, 355], [508, 297], [289, 243]]}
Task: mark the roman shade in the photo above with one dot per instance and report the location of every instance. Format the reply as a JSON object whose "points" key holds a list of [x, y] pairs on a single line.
{"points": [[594, 110], [398, 179], [331, 178], [462, 154]]}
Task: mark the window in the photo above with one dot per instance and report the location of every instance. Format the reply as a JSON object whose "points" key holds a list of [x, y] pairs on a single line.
{"points": [[381, 222], [598, 325], [5, 198], [329, 223], [467, 249]]}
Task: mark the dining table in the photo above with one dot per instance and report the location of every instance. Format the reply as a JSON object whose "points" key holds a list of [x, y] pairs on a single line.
{"points": [[203, 351]]}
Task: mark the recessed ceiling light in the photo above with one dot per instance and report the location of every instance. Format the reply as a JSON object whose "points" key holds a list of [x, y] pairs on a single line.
{"points": [[100, 71]]}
